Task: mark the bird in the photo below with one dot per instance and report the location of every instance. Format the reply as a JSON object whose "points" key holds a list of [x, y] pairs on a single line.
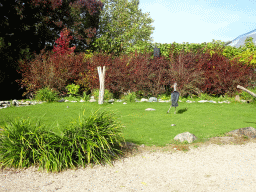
{"points": [[174, 98]]}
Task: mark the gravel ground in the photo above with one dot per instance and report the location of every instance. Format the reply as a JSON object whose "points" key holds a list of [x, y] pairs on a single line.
{"points": [[209, 167]]}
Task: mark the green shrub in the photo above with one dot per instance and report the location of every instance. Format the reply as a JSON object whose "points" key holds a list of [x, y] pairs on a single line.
{"points": [[164, 97], [107, 94], [73, 89], [95, 139], [85, 96], [130, 97], [46, 94], [205, 96]]}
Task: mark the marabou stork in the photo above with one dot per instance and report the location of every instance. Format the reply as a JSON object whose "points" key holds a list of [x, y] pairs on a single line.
{"points": [[175, 98]]}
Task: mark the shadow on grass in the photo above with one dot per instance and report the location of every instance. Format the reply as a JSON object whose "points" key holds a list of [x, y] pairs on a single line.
{"points": [[250, 122], [182, 110]]}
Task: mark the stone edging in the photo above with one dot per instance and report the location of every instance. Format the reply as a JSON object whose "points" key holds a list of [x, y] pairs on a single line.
{"points": [[5, 104]]}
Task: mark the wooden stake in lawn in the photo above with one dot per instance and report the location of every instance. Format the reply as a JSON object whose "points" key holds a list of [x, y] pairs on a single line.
{"points": [[102, 81], [248, 91]]}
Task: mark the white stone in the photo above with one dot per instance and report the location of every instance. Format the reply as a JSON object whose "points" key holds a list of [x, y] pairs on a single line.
{"points": [[186, 136], [149, 109], [143, 99], [202, 101], [92, 100], [82, 100], [152, 99], [124, 103], [111, 101]]}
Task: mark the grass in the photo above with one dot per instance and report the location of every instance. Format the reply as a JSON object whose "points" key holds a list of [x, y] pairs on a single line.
{"points": [[204, 120], [56, 137]]}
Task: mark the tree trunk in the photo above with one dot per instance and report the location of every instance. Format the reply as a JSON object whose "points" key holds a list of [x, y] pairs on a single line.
{"points": [[102, 81], [246, 90]]}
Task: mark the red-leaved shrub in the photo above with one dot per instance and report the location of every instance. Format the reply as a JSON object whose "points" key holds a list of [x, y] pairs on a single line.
{"points": [[222, 75], [209, 73], [50, 70]]}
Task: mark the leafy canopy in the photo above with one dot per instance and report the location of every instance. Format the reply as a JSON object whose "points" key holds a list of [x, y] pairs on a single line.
{"points": [[122, 25]]}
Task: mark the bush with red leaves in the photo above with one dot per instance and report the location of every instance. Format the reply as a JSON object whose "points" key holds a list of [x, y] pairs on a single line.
{"points": [[213, 74], [222, 75], [48, 69]]}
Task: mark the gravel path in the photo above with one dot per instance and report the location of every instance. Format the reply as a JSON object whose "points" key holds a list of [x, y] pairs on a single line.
{"points": [[206, 168]]}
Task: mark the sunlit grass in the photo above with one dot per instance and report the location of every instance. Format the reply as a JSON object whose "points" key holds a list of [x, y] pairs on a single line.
{"points": [[204, 120]]}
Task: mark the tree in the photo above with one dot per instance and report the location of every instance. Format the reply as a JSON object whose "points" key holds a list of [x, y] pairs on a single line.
{"points": [[122, 25], [62, 46], [30, 26]]}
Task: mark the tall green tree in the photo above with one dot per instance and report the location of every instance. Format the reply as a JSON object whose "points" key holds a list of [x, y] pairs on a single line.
{"points": [[30, 26], [122, 25]]}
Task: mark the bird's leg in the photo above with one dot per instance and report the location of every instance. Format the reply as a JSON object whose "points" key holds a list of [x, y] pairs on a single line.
{"points": [[175, 111], [169, 109]]}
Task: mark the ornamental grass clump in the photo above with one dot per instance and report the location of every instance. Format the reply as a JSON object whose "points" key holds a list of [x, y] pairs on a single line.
{"points": [[96, 139], [21, 143]]}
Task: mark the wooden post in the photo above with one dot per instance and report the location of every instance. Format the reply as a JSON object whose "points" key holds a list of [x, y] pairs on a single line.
{"points": [[102, 81], [248, 91]]}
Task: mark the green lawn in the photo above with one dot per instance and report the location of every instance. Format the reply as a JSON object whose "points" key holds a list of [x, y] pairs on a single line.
{"points": [[204, 120]]}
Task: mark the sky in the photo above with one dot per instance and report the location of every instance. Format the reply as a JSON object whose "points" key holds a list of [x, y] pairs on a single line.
{"points": [[199, 21]]}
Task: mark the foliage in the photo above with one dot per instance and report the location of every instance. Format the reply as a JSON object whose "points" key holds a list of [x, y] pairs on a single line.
{"points": [[62, 46], [42, 21], [246, 96], [85, 97], [222, 76], [135, 72], [247, 54], [72, 89], [27, 27], [204, 70], [122, 25], [93, 139], [184, 71], [54, 71], [20, 142], [107, 94], [164, 97], [129, 97], [46, 94], [197, 69]]}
